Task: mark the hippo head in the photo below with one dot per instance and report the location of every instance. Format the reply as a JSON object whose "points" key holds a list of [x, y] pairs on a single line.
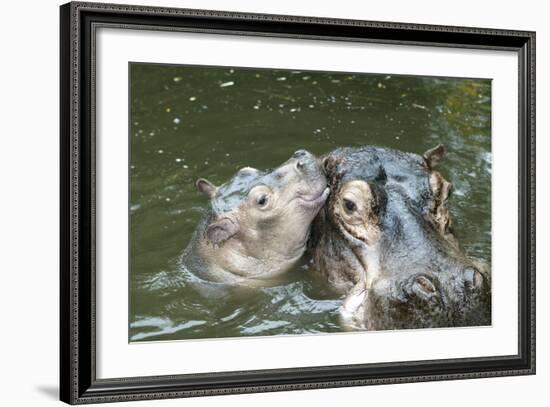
{"points": [[258, 222], [385, 239]]}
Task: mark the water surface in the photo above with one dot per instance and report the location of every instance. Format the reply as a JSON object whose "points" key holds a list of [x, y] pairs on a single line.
{"points": [[188, 122]]}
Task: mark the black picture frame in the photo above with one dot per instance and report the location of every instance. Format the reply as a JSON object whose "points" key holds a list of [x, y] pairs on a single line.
{"points": [[78, 382]]}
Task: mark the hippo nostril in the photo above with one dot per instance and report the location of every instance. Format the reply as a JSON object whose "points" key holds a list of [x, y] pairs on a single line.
{"points": [[299, 153], [421, 287], [426, 284], [473, 278], [300, 165]]}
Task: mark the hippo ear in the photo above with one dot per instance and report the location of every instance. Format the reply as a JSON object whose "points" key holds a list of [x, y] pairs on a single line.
{"points": [[221, 230], [434, 155], [206, 187]]}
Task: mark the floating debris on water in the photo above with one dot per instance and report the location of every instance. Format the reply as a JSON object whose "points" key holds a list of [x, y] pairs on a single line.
{"points": [[179, 160], [185, 166], [168, 110], [281, 78], [176, 120], [380, 85], [226, 84], [256, 107], [177, 79], [152, 133], [419, 106], [192, 98], [167, 199], [311, 106], [305, 78], [227, 154], [160, 151]]}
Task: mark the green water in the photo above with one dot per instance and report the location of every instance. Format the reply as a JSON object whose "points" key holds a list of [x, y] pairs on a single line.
{"points": [[190, 122]]}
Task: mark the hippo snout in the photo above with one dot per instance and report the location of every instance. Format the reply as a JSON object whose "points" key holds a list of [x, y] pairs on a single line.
{"points": [[302, 157]]}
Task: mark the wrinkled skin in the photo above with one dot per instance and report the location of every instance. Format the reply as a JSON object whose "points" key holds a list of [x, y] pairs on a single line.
{"points": [[257, 224], [385, 240]]}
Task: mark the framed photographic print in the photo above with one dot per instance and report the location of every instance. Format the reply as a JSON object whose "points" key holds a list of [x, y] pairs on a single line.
{"points": [[259, 203]]}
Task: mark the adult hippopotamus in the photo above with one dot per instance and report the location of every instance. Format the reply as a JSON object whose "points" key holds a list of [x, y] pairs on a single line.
{"points": [[385, 240], [257, 224]]}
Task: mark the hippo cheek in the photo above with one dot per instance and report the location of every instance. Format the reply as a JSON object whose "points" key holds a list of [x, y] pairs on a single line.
{"points": [[221, 230], [358, 235]]}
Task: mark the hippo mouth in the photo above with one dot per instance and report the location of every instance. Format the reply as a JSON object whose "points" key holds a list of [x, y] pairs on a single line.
{"points": [[315, 200]]}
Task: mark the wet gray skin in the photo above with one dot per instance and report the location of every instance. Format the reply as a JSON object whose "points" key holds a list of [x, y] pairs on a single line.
{"points": [[257, 224], [384, 239]]}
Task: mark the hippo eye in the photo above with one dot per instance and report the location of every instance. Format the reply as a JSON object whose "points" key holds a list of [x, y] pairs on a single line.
{"points": [[349, 205], [262, 200]]}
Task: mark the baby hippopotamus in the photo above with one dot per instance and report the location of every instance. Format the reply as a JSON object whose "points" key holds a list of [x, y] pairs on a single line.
{"points": [[257, 224], [385, 240]]}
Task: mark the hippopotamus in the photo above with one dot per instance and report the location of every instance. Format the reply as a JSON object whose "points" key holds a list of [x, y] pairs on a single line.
{"points": [[256, 225], [385, 240]]}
